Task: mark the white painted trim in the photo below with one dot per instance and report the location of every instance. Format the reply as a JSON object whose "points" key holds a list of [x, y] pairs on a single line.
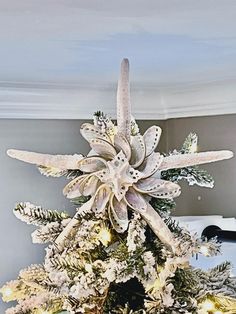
{"points": [[50, 101]]}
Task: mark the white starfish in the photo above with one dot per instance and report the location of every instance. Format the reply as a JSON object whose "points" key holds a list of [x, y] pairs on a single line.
{"points": [[120, 173]]}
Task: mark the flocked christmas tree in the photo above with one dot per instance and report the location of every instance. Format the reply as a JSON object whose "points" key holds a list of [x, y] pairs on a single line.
{"points": [[121, 252]]}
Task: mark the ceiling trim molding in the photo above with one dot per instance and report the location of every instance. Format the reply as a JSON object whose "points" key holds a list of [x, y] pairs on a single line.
{"points": [[32, 101]]}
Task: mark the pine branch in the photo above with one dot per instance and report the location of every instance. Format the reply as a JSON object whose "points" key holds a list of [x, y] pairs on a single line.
{"points": [[45, 302], [36, 215], [57, 172], [224, 267], [51, 171], [47, 233], [71, 263], [80, 200], [99, 114], [190, 144], [72, 174], [194, 174], [211, 247], [173, 225], [185, 282], [35, 272], [217, 281], [163, 205], [103, 122]]}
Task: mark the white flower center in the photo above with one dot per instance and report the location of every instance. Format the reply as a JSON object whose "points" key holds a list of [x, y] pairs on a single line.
{"points": [[119, 175]]}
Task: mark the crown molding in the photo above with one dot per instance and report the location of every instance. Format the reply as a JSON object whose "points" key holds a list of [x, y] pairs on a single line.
{"points": [[58, 101]]}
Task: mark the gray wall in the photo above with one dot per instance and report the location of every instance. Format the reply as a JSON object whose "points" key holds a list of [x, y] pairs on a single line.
{"points": [[23, 182]]}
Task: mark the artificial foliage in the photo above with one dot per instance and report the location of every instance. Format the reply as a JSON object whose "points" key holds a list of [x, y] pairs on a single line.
{"points": [[121, 252]]}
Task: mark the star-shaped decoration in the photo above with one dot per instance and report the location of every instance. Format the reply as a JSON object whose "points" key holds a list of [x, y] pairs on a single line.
{"points": [[122, 170], [119, 175]]}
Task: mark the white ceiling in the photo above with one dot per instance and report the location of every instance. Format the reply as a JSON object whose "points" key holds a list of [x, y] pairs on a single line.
{"points": [[60, 58]]}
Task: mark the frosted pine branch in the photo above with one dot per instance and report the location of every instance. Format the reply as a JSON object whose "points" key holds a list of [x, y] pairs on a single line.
{"points": [[47, 233], [193, 175], [52, 171], [217, 281], [103, 122], [190, 144], [136, 233], [36, 215], [70, 262], [29, 305], [57, 172]]}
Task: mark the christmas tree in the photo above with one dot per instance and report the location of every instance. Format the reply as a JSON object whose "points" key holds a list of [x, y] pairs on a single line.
{"points": [[121, 252]]}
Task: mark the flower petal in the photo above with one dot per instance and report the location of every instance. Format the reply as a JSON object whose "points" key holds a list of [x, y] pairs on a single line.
{"points": [[137, 150], [89, 185], [167, 190], [91, 164], [135, 200], [118, 214], [149, 185], [101, 198], [73, 188], [121, 144], [90, 132], [103, 148], [151, 138], [151, 164]]}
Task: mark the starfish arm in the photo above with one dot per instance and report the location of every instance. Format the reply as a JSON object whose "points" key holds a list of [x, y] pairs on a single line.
{"points": [[73, 223], [138, 203], [63, 162], [159, 227], [97, 202], [187, 160], [59, 242], [123, 101]]}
